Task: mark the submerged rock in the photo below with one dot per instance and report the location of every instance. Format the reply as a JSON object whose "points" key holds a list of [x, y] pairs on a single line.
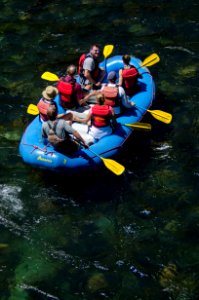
{"points": [[188, 71], [97, 282], [3, 246], [167, 275], [13, 136]]}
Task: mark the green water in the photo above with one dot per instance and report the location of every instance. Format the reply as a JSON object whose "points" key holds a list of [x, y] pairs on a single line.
{"points": [[97, 236]]}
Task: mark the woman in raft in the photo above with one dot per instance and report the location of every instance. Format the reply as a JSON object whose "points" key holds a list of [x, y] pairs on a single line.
{"points": [[100, 120]]}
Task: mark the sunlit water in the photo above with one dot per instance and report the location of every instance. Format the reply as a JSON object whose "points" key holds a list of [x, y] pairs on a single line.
{"points": [[97, 236]]}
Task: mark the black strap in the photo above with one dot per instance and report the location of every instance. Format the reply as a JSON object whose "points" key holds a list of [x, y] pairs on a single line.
{"points": [[52, 127]]}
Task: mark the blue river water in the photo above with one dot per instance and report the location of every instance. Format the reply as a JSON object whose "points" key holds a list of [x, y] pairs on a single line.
{"points": [[98, 236]]}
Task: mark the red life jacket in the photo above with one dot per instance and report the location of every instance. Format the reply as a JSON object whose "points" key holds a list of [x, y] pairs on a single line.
{"points": [[111, 95], [129, 80], [82, 58], [101, 115], [67, 96], [81, 62], [43, 106]]}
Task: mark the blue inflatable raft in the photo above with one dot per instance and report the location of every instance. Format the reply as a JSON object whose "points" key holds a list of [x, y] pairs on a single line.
{"points": [[35, 153]]}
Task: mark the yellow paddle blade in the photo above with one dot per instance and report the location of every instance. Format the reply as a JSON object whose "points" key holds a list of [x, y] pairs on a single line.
{"points": [[144, 126], [151, 60], [108, 49], [32, 110], [113, 166], [161, 116], [49, 76]]}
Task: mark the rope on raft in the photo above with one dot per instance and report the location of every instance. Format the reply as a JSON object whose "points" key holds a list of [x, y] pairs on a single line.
{"points": [[45, 150]]}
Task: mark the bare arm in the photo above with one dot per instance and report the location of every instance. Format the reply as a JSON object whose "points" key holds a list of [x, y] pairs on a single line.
{"points": [[78, 137], [88, 76], [87, 97], [66, 117], [125, 99], [87, 118], [120, 78]]}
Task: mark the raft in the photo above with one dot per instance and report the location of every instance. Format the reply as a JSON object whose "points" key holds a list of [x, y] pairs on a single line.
{"points": [[36, 153]]}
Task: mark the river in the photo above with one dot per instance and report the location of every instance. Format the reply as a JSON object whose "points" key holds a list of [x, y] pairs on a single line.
{"points": [[98, 236]]}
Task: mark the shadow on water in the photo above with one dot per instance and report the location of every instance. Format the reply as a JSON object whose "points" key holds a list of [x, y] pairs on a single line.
{"points": [[97, 185]]}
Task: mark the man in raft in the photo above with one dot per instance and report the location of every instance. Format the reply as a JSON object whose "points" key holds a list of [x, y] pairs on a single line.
{"points": [[90, 73], [59, 133]]}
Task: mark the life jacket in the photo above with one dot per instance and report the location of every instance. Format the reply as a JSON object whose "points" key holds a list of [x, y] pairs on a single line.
{"points": [[130, 77], [81, 63], [43, 106], [67, 95], [101, 115], [52, 137], [82, 58], [111, 95]]}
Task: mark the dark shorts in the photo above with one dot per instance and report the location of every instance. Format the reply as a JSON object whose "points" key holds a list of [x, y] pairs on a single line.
{"points": [[84, 81], [68, 147]]}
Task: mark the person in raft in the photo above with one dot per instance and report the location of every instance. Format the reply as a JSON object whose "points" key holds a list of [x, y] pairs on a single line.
{"points": [[114, 95], [59, 133], [48, 96], [71, 93], [128, 76], [100, 118], [90, 73]]}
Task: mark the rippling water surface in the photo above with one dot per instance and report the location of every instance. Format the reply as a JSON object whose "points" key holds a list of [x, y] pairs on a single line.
{"points": [[97, 236]]}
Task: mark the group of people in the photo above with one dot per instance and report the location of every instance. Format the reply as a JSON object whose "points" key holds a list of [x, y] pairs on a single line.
{"points": [[99, 119]]}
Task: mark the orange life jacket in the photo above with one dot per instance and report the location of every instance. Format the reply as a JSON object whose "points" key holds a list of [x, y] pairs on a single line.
{"points": [[101, 115], [42, 107], [82, 58], [129, 80], [67, 96], [111, 95]]}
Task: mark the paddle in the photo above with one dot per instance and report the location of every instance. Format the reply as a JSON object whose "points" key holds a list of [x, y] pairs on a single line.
{"points": [[150, 60], [144, 126], [111, 164], [32, 109], [108, 49], [49, 76], [159, 115]]}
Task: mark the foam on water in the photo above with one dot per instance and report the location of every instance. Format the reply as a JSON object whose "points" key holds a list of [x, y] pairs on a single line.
{"points": [[9, 199]]}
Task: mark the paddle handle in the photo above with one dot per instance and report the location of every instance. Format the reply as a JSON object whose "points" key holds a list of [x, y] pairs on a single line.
{"points": [[141, 107]]}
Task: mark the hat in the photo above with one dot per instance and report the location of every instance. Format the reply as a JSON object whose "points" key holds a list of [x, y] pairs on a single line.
{"points": [[112, 76], [50, 92]]}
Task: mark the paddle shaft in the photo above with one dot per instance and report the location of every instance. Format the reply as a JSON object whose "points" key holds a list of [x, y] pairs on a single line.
{"points": [[94, 153]]}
